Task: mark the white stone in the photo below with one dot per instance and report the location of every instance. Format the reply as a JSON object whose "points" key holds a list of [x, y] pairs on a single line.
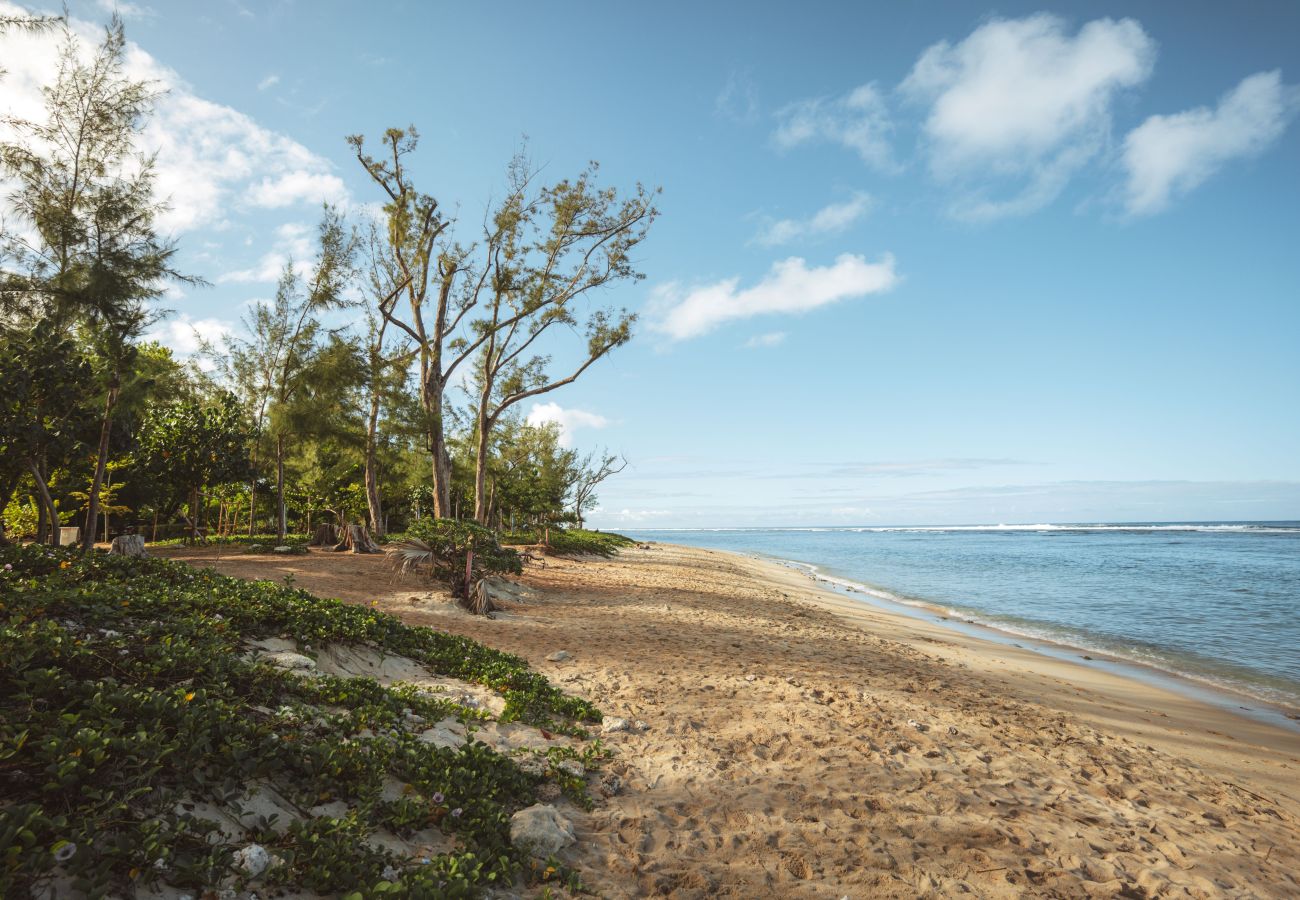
{"points": [[287, 659], [283, 548], [252, 860], [571, 767], [611, 725], [447, 733], [559, 656], [541, 829]]}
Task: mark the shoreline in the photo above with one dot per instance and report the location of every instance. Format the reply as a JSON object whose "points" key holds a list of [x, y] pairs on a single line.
{"points": [[802, 743], [1202, 689], [1107, 697]]}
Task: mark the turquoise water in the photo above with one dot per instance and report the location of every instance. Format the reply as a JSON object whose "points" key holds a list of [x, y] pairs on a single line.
{"points": [[1215, 602]]}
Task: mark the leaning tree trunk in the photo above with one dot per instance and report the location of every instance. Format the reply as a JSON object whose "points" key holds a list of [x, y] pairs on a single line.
{"points": [[356, 539], [47, 503]]}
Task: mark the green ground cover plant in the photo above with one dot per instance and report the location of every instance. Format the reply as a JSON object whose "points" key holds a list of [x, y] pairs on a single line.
{"points": [[130, 708]]}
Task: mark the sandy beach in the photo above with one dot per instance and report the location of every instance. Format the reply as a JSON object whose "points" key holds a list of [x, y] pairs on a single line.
{"points": [[803, 744]]}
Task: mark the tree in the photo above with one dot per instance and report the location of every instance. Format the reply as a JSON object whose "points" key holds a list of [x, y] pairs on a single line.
{"points": [[274, 366], [543, 253], [592, 470], [96, 259], [417, 268], [44, 420], [189, 445]]}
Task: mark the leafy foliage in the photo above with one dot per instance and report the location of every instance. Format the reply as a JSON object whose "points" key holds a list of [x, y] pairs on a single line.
{"points": [[127, 703]]}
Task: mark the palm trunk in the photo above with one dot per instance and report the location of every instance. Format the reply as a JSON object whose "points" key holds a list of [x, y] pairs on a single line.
{"points": [[101, 463]]}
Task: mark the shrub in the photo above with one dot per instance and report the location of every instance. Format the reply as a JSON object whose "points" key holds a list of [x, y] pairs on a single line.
{"points": [[578, 542], [443, 546]]}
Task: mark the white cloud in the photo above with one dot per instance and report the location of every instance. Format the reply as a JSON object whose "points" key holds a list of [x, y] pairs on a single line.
{"points": [[186, 335], [1020, 105], [211, 159], [1170, 155], [299, 186], [789, 287], [858, 121], [738, 99], [124, 9], [830, 219], [771, 339], [268, 82], [293, 242], [569, 420]]}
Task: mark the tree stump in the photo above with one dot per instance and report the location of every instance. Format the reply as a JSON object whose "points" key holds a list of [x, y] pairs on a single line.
{"points": [[128, 545], [326, 536], [356, 539]]}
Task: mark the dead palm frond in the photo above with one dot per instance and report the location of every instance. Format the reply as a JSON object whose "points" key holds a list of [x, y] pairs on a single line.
{"points": [[409, 555]]}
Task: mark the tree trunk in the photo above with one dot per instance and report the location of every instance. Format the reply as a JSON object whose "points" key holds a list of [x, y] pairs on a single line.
{"points": [[281, 522], [373, 500], [47, 503], [101, 463], [480, 469], [128, 545], [356, 539], [326, 535], [431, 398]]}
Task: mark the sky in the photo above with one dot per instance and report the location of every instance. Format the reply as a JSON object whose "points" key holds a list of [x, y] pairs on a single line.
{"points": [[923, 263]]}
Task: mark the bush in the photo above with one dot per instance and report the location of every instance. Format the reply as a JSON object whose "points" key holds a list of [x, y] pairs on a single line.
{"points": [[578, 542], [444, 545]]}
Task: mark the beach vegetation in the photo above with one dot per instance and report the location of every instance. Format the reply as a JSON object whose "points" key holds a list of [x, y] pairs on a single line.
{"points": [[143, 743]]}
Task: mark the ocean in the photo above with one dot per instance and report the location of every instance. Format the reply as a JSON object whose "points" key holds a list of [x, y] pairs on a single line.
{"points": [[1216, 604]]}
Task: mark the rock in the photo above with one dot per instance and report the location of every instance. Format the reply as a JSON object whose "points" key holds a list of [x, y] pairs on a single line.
{"points": [[611, 785], [571, 767], [611, 725], [952, 729], [252, 860], [912, 723], [541, 829], [447, 733], [287, 659], [641, 726], [531, 764], [283, 548], [559, 656], [751, 678], [128, 545]]}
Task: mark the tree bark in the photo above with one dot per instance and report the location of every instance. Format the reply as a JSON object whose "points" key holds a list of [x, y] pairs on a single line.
{"points": [[356, 539]]}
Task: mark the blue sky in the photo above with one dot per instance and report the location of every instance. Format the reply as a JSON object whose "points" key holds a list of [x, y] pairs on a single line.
{"points": [[918, 263]]}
